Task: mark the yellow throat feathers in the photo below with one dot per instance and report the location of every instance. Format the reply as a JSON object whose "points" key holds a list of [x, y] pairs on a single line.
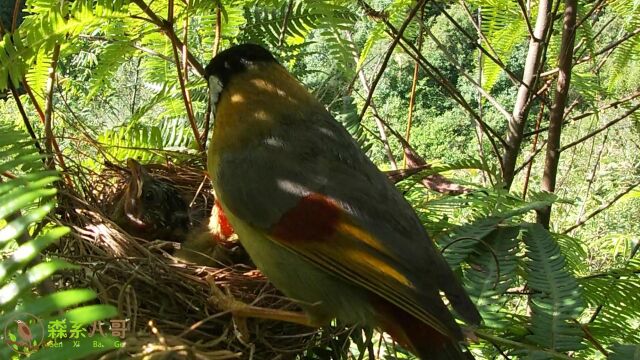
{"points": [[254, 101]]}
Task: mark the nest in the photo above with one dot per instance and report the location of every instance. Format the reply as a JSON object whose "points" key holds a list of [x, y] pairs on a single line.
{"points": [[167, 303]]}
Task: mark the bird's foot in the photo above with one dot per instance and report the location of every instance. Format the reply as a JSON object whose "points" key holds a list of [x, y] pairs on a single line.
{"points": [[239, 309], [470, 335]]}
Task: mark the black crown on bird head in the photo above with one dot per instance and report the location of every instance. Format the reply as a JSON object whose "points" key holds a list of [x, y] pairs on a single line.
{"points": [[235, 60]]}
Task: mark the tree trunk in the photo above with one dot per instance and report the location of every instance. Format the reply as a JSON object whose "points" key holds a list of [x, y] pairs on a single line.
{"points": [[522, 105], [559, 103]]}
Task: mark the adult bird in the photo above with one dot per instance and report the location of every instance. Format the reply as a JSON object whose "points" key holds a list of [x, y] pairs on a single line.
{"points": [[318, 217]]}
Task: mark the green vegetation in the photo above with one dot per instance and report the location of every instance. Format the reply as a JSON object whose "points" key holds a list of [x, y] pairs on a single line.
{"points": [[529, 107]]}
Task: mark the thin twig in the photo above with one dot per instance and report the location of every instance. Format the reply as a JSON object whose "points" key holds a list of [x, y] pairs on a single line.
{"points": [[16, 11], [25, 118], [473, 82], [613, 104], [602, 207], [598, 310], [494, 57], [589, 13], [285, 23], [613, 45], [414, 83], [51, 145], [441, 79], [218, 34], [381, 129], [185, 37], [135, 87], [387, 56], [603, 128], [594, 171], [182, 81], [489, 337], [589, 336], [534, 151], [526, 18], [434, 73], [531, 157], [167, 28]]}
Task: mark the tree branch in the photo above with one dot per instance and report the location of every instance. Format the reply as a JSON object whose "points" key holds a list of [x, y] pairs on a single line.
{"points": [[534, 152], [605, 127], [414, 84], [473, 82], [182, 78], [613, 104], [167, 28], [611, 46], [381, 132], [522, 104], [50, 143], [565, 64], [494, 57], [526, 18], [602, 208], [387, 56]]}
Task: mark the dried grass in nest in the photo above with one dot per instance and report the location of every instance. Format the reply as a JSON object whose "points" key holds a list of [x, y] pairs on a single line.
{"points": [[165, 301]]}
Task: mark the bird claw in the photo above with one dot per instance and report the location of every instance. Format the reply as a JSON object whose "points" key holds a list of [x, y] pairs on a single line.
{"points": [[227, 302], [469, 334]]}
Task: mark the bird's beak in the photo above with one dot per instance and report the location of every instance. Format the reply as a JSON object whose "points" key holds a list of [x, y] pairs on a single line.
{"points": [[136, 180]]}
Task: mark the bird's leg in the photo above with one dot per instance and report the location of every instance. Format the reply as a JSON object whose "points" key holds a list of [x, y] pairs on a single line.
{"points": [[469, 333], [241, 309]]}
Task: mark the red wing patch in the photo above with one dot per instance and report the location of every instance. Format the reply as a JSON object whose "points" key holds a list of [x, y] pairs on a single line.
{"points": [[226, 230], [314, 218]]}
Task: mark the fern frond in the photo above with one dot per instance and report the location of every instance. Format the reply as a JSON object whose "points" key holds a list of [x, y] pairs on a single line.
{"points": [[493, 272], [628, 14], [615, 294], [24, 200], [348, 117], [557, 299], [624, 352], [109, 60]]}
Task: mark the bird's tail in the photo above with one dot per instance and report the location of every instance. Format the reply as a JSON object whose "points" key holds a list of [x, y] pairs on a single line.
{"points": [[418, 337]]}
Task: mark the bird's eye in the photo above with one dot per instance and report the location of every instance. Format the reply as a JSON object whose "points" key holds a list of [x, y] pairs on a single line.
{"points": [[147, 195]]}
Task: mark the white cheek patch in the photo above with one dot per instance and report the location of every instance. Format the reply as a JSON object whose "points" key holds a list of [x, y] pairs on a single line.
{"points": [[215, 88]]}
